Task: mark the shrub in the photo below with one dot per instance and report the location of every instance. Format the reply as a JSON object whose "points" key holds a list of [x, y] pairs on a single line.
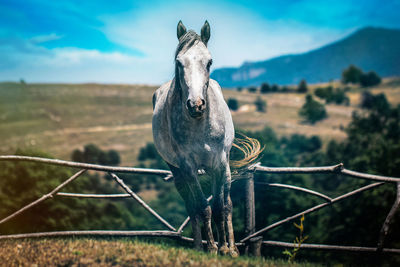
{"points": [[239, 89], [261, 105], [312, 111], [298, 241], [233, 104]]}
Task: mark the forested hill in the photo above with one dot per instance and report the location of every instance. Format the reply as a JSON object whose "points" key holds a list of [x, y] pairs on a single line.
{"points": [[376, 49]]}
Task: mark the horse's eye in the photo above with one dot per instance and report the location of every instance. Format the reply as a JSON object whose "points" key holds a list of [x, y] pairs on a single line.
{"points": [[209, 65]]}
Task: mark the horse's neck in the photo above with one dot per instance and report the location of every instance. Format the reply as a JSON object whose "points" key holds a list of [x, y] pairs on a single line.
{"points": [[174, 100]]}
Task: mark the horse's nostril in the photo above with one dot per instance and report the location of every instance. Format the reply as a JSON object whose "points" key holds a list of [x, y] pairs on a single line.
{"points": [[198, 106]]}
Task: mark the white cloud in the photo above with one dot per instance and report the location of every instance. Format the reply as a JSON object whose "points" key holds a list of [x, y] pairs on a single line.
{"points": [[237, 35], [74, 56], [70, 65], [45, 38]]}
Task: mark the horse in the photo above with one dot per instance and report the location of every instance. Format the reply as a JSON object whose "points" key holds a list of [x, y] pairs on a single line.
{"points": [[193, 131]]}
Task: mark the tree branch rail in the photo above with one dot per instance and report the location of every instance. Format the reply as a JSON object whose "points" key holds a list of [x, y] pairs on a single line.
{"points": [[244, 174]]}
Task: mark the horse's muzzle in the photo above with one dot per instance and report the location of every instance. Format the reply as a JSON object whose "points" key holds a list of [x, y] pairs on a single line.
{"points": [[197, 108]]}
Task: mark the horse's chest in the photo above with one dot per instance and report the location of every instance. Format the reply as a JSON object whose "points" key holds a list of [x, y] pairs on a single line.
{"points": [[200, 136], [201, 143]]}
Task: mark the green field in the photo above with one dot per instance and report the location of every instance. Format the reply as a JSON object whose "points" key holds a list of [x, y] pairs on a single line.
{"points": [[58, 118], [115, 252]]}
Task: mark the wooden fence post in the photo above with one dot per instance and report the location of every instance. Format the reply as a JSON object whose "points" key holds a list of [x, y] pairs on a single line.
{"points": [[254, 245], [389, 219]]}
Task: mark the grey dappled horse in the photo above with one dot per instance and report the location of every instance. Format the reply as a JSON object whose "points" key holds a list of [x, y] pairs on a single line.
{"points": [[193, 130]]}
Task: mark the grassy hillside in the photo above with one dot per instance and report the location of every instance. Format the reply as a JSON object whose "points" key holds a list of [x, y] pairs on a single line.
{"points": [[116, 252], [58, 118]]}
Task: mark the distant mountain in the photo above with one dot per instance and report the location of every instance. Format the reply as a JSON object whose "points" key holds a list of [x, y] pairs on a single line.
{"points": [[370, 48]]}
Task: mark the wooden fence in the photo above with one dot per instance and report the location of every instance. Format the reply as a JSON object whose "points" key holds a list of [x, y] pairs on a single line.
{"points": [[253, 240]]}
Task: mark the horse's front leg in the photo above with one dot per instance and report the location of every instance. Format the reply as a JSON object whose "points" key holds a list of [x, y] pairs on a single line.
{"points": [[218, 209], [233, 250], [203, 210], [211, 246], [197, 206]]}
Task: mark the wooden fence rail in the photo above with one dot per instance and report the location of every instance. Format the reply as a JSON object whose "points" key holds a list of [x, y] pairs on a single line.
{"points": [[253, 240]]}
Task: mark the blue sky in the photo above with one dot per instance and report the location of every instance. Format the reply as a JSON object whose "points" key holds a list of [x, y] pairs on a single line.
{"points": [[134, 41]]}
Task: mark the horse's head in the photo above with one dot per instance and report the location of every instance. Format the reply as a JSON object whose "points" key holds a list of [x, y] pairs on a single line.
{"points": [[192, 68]]}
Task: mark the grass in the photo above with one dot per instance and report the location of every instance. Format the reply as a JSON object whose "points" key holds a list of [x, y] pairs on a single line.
{"points": [[115, 252], [58, 118]]}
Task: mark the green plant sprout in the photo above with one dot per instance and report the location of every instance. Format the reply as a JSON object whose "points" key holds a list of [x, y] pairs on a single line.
{"points": [[297, 242]]}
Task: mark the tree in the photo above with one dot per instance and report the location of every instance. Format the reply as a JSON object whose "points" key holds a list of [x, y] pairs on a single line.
{"points": [[337, 96], [148, 152], [376, 103], [233, 104], [111, 158], [351, 75], [275, 88], [312, 111], [370, 79], [265, 88], [261, 105], [252, 89], [93, 154], [64, 213], [372, 146], [285, 89], [323, 92], [302, 88]]}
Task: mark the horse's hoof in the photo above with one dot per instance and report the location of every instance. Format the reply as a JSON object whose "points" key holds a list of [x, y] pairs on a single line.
{"points": [[234, 252], [224, 250], [213, 250]]}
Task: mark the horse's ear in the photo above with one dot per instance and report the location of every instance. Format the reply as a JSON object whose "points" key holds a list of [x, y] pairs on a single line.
{"points": [[181, 30], [205, 32]]}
